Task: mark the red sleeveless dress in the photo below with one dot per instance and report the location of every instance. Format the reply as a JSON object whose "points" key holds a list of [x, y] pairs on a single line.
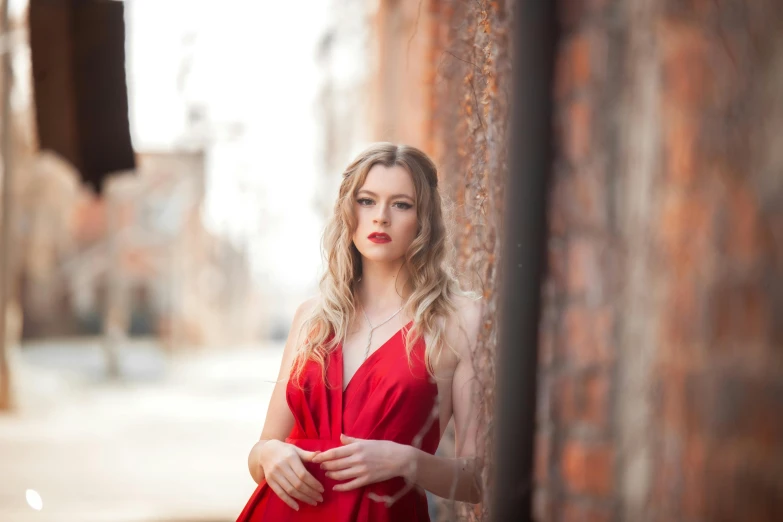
{"points": [[386, 399]]}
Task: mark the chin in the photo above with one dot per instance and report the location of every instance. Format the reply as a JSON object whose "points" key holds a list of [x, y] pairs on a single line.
{"points": [[376, 258], [380, 257]]}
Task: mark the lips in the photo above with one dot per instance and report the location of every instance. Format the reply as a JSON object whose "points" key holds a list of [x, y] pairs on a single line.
{"points": [[379, 237]]}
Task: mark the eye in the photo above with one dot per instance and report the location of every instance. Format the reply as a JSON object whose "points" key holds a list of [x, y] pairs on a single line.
{"points": [[403, 205], [364, 201]]}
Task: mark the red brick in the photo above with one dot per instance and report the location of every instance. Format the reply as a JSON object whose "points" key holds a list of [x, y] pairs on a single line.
{"points": [[687, 252], [587, 468], [581, 512], [693, 498], [576, 131], [682, 154], [587, 335], [745, 411], [680, 328], [744, 242], [694, 9], [686, 229], [573, 65], [775, 226], [587, 206], [687, 78], [741, 316], [578, 201], [583, 265], [672, 411], [740, 487], [572, 13], [583, 398]]}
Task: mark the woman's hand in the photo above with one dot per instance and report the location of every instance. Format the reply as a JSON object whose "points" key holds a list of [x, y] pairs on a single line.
{"points": [[287, 476], [366, 462]]}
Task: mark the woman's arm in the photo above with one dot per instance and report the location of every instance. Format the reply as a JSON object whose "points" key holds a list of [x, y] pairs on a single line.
{"points": [[279, 419], [457, 478]]}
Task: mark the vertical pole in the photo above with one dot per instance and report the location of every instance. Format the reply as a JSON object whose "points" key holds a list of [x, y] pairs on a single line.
{"points": [[6, 259], [114, 320], [530, 160]]}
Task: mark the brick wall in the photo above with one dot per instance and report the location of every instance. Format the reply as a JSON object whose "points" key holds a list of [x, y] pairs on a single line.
{"points": [[661, 383], [662, 388], [719, 366], [576, 451]]}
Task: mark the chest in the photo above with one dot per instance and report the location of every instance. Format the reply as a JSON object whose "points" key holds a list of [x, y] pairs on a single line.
{"points": [[362, 344], [363, 347]]}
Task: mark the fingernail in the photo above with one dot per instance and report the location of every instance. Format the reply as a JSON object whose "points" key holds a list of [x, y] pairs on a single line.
{"points": [[320, 498], [322, 466]]}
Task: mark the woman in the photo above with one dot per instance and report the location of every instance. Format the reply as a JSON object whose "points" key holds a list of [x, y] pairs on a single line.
{"points": [[376, 366]]}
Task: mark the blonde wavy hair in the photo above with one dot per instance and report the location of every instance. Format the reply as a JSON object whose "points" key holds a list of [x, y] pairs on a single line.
{"points": [[433, 282]]}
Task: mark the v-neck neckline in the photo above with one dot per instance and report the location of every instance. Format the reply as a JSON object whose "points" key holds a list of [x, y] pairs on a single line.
{"points": [[364, 362]]}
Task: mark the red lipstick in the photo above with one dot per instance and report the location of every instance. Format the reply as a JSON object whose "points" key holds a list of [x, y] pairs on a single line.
{"points": [[379, 237]]}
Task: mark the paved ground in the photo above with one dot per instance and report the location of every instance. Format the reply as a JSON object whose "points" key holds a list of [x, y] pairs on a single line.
{"points": [[170, 443]]}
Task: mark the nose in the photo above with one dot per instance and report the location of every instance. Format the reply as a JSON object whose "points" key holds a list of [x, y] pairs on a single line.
{"points": [[382, 216]]}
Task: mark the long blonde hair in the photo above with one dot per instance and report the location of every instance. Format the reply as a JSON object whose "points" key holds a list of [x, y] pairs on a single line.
{"points": [[433, 282]]}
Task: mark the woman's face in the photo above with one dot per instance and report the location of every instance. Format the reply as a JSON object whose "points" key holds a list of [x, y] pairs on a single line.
{"points": [[385, 209]]}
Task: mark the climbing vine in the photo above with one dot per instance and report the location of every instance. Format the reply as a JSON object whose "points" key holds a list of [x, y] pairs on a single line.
{"points": [[471, 107]]}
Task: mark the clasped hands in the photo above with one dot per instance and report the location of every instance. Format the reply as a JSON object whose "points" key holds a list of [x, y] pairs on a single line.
{"points": [[359, 461], [363, 462]]}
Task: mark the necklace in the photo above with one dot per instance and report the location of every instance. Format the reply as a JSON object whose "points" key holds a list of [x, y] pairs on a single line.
{"points": [[372, 328]]}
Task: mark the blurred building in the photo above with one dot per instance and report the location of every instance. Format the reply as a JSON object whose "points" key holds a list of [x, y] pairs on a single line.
{"points": [[344, 100], [140, 243]]}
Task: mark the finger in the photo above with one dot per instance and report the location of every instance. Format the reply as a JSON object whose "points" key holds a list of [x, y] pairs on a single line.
{"points": [[345, 474], [354, 484], [338, 464], [307, 478], [334, 453], [280, 492], [345, 439], [300, 490], [304, 455]]}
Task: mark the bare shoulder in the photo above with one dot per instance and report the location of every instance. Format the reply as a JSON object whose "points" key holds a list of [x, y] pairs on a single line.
{"points": [[304, 309], [464, 324], [303, 312]]}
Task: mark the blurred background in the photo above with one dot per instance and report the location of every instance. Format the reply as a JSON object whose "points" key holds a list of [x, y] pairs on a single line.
{"points": [[169, 183], [168, 167]]}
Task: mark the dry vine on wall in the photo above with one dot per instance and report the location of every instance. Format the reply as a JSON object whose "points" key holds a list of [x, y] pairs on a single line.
{"points": [[470, 102]]}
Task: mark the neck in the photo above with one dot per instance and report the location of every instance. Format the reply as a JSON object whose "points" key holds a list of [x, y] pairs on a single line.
{"points": [[383, 288]]}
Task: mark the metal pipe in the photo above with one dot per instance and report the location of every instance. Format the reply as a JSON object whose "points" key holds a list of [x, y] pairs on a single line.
{"points": [[530, 162]]}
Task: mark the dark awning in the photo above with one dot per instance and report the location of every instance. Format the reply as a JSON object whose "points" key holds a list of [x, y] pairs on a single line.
{"points": [[81, 100]]}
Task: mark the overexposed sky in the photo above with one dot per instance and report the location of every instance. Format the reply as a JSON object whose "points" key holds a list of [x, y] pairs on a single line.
{"points": [[249, 66]]}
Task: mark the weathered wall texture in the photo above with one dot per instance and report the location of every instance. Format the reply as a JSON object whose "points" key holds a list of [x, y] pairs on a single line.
{"points": [[661, 383], [662, 363], [443, 85]]}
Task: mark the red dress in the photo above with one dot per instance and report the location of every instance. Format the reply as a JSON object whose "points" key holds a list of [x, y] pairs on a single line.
{"points": [[386, 399]]}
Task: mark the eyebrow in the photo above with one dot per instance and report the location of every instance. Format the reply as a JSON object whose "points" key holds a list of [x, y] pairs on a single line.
{"points": [[373, 194]]}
